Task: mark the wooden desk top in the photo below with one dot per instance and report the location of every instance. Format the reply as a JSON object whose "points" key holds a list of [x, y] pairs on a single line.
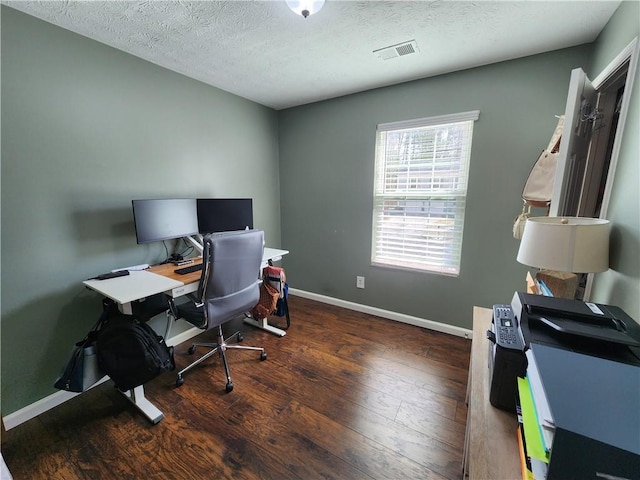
{"points": [[493, 445], [168, 270], [157, 279]]}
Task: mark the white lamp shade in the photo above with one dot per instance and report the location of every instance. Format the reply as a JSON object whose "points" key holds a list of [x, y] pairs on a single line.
{"points": [[566, 244], [305, 7]]}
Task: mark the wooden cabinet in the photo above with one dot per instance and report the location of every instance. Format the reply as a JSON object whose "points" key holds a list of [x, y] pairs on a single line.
{"points": [[491, 446]]}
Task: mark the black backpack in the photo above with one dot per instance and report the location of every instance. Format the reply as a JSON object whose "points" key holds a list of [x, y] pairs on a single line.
{"points": [[131, 352]]}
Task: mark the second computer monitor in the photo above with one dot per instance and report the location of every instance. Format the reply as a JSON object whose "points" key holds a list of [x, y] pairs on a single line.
{"points": [[224, 214]]}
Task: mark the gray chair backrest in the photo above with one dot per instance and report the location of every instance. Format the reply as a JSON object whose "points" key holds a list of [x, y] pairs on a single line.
{"points": [[229, 284]]}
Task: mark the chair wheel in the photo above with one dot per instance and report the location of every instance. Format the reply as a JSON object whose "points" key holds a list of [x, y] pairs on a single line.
{"points": [[263, 356], [229, 387], [192, 349], [179, 381], [240, 337]]}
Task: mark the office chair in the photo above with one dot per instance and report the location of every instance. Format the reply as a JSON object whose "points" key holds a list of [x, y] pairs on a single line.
{"points": [[229, 286]]}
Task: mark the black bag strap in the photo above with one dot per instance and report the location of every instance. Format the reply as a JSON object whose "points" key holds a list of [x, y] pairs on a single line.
{"points": [[107, 308], [286, 311]]}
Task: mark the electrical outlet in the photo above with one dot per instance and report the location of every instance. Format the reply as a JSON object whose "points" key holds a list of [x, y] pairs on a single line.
{"points": [[360, 282]]}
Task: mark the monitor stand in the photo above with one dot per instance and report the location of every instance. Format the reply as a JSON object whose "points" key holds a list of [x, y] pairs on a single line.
{"points": [[198, 246]]}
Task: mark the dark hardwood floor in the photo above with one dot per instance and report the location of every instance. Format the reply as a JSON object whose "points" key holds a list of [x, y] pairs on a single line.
{"points": [[343, 395]]}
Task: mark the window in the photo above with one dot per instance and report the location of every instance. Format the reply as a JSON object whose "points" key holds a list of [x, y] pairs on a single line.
{"points": [[421, 172]]}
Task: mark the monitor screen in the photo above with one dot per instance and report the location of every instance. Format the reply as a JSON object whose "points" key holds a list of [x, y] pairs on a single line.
{"points": [[163, 219], [224, 214]]}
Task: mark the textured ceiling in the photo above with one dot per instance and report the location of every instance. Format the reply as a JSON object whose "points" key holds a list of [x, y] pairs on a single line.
{"points": [[262, 51]]}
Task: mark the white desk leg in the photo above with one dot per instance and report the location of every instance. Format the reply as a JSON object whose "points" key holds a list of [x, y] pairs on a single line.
{"points": [[148, 409], [264, 326], [126, 308], [136, 396]]}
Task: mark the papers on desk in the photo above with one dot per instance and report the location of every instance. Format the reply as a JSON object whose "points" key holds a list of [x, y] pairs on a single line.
{"points": [[536, 423], [543, 411], [543, 289], [536, 447], [535, 455], [142, 266], [537, 286]]}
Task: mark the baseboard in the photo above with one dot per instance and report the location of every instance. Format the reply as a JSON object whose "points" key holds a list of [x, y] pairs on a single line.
{"points": [[47, 403], [33, 410], [398, 317], [184, 336]]}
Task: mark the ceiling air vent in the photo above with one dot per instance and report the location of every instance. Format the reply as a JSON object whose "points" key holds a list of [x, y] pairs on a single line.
{"points": [[399, 50]]}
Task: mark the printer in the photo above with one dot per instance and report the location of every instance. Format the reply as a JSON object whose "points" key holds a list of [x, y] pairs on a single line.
{"points": [[588, 359], [604, 331]]}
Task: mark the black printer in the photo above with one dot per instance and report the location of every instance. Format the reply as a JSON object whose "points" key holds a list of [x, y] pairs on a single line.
{"points": [[604, 331]]}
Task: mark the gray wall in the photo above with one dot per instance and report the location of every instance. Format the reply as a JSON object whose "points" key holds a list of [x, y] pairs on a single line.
{"points": [[326, 178], [621, 284], [86, 129]]}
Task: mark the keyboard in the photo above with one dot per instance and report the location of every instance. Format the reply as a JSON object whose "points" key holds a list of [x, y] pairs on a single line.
{"points": [[188, 269]]}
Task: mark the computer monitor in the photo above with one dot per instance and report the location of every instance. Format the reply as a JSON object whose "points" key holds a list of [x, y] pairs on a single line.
{"points": [[164, 219], [224, 214]]}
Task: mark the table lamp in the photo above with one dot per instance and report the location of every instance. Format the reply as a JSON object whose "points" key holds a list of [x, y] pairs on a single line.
{"points": [[564, 246]]}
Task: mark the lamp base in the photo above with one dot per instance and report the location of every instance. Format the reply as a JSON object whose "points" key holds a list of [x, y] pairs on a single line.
{"points": [[561, 284]]}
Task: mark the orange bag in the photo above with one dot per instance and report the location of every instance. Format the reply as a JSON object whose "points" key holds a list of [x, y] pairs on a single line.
{"points": [[267, 303]]}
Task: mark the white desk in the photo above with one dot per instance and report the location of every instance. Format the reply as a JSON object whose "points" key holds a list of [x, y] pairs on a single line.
{"points": [[162, 279], [125, 290], [137, 285]]}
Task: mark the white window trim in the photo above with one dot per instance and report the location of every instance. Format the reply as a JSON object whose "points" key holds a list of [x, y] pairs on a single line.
{"points": [[430, 121], [415, 124]]}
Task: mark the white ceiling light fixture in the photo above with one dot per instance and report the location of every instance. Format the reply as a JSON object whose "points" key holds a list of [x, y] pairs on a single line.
{"points": [[305, 7]]}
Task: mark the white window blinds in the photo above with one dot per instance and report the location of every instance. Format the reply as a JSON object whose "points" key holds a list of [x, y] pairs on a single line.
{"points": [[421, 173]]}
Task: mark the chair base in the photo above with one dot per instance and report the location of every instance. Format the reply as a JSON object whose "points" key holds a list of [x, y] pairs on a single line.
{"points": [[221, 347]]}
